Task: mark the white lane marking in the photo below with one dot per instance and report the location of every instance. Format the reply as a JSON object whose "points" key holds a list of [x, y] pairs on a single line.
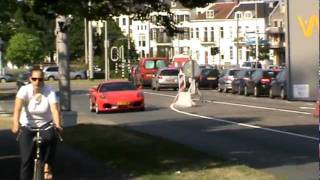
{"points": [[243, 124], [260, 107], [243, 105], [306, 107]]}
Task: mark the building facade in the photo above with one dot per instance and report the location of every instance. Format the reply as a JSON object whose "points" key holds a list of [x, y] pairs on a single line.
{"points": [[232, 27]]}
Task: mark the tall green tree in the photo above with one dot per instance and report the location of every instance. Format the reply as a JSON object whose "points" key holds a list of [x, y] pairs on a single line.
{"points": [[24, 49], [105, 9]]}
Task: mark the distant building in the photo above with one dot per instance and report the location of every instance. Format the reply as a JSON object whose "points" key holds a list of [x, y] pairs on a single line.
{"points": [[230, 26]]}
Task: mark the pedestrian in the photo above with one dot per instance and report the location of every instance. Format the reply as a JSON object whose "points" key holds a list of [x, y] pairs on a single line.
{"points": [[36, 106]]}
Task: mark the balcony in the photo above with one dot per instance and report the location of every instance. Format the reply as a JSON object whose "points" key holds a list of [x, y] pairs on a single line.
{"points": [[274, 30], [276, 44]]}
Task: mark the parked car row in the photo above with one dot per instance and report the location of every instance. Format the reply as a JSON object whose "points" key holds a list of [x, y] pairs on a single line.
{"points": [[256, 82]]}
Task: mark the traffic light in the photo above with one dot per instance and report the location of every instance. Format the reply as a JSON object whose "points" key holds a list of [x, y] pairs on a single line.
{"points": [[214, 50]]}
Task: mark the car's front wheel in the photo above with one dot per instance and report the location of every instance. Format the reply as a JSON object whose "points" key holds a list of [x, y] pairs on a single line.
{"points": [[219, 87], [256, 91], [271, 93], [97, 109], [51, 78], [282, 94], [239, 90], [3, 80], [91, 106], [246, 93]]}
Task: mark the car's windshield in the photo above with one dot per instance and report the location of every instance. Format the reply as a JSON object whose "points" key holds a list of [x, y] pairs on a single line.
{"points": [[155, 64], [119, 86]]}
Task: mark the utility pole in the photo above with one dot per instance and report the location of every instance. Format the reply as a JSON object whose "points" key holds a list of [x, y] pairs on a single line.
{"points": [[90, 43], [85, 40], [62, 24], [106, 45], [128, 50], [257, 33], [1, 43], [90, 54], [237, 40]]}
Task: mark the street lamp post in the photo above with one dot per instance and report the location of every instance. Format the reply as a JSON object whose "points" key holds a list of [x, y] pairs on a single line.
{"points": [[237, 40], [1, 43], [257, 37]]}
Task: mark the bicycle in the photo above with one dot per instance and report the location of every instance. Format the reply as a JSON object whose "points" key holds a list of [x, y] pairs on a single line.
{"points": [[38, 171]]}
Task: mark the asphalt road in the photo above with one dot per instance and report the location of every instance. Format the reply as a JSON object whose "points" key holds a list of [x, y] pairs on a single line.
{"points": [[277, 136]]}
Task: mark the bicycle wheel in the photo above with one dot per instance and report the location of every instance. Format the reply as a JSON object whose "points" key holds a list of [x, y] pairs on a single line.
{"points": [[37, 170]]}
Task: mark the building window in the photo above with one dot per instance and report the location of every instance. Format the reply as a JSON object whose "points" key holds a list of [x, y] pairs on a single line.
{"points": [[123, 21], [137, 27], [230, 32], [231, 52], [247, 14], [186, 33], [238, 15], [173, 4], [221, 32], [143, 39], [205, 35], [212, 34], [187, 17], [191, 33], [117, 20], [210, 14], [197, 33], [275, 23], [154, 34]]}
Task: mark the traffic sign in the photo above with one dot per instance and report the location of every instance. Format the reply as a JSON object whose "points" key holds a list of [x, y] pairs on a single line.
{"points": [[191, 69], [114, 53]]}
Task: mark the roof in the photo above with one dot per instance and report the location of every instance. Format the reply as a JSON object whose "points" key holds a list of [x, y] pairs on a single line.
{"points": [[221, 10], [263, 8]]}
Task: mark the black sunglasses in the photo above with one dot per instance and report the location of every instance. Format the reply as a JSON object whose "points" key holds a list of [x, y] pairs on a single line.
{"points": [[39, 79]]}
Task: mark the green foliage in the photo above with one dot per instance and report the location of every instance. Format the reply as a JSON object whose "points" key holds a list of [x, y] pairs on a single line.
{"points": [[105, 9], [24, 49], [76, 39]]}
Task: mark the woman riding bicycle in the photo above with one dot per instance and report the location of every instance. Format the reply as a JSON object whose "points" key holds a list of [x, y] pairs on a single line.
{"points": [[36, 106]]}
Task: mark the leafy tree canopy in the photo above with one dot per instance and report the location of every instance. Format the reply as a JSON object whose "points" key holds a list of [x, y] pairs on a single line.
{"points": [[24, 48], [105, 9]]}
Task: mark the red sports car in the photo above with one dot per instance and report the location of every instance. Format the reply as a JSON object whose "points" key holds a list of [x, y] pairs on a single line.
{"points": [[115, 95]]}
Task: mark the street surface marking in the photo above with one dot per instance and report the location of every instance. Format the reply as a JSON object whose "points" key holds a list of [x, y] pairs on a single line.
{"points": [[260, 107], [306, 107], [243, 105], [243, 124]]}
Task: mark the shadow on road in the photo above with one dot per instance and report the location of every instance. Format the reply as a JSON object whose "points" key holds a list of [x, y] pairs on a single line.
{"points": [[257, 148]]}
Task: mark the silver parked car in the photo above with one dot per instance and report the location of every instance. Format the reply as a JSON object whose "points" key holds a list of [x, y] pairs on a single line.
{"points": [[165, 78], [7, 78], [226, 78], [52, 73]]}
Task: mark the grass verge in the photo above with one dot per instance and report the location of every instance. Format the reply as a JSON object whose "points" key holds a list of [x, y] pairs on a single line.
{"points": [[148, 157]]}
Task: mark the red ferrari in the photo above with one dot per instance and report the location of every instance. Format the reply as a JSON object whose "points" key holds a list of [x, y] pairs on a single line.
{"points": [[114, 96]]}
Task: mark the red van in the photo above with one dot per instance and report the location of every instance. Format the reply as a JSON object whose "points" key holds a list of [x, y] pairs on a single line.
{"points": [[179, 60], [147, 67]]}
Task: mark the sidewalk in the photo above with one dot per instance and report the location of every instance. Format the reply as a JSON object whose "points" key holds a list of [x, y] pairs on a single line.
{"points": [[71, 164]]}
